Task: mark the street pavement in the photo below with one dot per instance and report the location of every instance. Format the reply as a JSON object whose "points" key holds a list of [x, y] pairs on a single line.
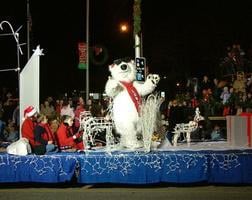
{"points": [[120, 192]]}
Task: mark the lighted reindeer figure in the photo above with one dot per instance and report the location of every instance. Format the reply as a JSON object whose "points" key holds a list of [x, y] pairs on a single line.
{"points": [[187, 128], [91, 126]]}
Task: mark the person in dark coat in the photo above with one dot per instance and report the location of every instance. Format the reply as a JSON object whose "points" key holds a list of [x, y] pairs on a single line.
{"points": [[43, 136]]}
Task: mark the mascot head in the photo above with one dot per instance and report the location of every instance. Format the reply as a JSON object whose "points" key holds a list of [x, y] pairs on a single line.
{"points": [[123, 70]]}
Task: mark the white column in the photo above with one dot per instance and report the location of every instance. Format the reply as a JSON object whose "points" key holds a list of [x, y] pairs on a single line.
{"points": [[137, 46]]}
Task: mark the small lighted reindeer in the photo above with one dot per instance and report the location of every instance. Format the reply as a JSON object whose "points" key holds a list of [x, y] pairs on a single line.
{"points": [[91, 126], [187, 128]]}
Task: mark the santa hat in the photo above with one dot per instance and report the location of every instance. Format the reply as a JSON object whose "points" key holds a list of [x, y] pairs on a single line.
{"points": [[29, 111]]}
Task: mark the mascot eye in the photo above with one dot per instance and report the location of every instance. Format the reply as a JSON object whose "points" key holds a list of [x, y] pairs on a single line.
{"points": [[124, 67]]}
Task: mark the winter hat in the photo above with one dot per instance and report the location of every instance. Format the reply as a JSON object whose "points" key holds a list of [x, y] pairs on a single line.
{"points": [[29, 111]]}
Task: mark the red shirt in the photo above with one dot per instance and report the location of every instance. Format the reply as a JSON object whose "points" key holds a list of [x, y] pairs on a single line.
{"points": [[27, 130], [50, 135], [77, 112], [65, 138]]}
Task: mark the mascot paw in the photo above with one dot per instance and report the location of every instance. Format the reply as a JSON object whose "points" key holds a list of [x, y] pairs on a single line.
{"points": [[113, 87], [154, 78], [114, 84]]}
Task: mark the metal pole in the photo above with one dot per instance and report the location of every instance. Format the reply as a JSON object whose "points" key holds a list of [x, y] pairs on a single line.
{"points": [[137, 28], [7, 70], [28, 29], [18, 64], [87, 41], [141, 44]]}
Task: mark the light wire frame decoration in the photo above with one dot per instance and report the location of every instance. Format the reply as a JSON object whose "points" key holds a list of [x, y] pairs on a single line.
{"points": [[92, 126], [187, 128]]}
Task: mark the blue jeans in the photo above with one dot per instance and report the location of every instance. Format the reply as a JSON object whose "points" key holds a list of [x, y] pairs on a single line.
{"points": [[51, 148], [2, 126]]}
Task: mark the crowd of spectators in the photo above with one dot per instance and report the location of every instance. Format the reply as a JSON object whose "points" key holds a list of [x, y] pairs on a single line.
{"points": [[56, 124]]}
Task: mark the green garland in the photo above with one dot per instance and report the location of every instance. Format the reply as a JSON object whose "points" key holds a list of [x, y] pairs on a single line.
{"points": [[137, 16]]}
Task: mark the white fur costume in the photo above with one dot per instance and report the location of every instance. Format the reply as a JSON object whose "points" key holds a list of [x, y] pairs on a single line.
{"points": [[125, 108]]}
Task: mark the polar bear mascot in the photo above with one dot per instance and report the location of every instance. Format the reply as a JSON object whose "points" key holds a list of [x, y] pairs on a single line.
{"points": [[127, 95]]}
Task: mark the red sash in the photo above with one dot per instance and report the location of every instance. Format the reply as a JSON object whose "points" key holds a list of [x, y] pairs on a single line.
{"points": [[134, 95]]}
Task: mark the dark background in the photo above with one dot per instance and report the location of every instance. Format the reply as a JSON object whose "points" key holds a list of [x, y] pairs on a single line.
{"points": [[181, 39]]}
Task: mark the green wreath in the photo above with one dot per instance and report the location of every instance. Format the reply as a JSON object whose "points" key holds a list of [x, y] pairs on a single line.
{"points": [[98, 58]]}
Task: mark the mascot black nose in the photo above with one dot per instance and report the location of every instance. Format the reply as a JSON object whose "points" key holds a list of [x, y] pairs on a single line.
{"points": [[124, 67]]}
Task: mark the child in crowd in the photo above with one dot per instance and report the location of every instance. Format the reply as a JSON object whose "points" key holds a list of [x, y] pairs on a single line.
{"points": [[216, 133], [225, 95], [79, 109], [12, 132]]}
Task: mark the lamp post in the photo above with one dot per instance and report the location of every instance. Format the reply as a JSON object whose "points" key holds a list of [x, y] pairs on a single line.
{"points": [[137, 28], [87, 51], [28, 27]]}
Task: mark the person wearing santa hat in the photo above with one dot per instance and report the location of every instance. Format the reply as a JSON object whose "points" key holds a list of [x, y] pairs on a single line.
{"points": [[28, 125]]}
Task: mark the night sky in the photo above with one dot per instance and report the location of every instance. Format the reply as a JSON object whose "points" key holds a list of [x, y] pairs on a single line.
{"points": [[180, 40]]}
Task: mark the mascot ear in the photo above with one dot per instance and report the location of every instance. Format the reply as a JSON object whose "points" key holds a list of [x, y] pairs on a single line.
{"points": [[132, 61], [111, 66]]}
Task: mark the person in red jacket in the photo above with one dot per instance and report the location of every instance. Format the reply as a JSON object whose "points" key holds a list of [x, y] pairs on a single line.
{"points": [[28, 125], [66, 137], [78, 110]]}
